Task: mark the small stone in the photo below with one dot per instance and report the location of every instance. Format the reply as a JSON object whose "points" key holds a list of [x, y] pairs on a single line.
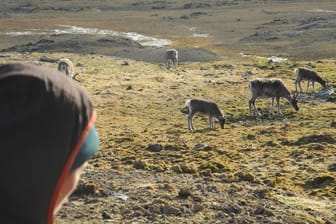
{"points": [[170, 210], [184, 193], [154, 147], [105, 215], [201, 146], [245, 176], [315, 146], [333, 124], [332, 167], [139, 165], [251, 137]]}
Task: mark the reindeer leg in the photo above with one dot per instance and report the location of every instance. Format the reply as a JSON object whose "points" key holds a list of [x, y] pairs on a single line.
{"points": [[168, 64], [272, 106], [299, 84], [278, 104], [307, 85], [251, 109], [256, 109], [190, 121], [210, 122], [313, 84]]}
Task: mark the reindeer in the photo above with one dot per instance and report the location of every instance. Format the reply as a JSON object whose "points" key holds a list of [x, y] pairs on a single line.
{"points": [[310, 76], [65, 65], [171, 57], [270, 88], [204, 107]]}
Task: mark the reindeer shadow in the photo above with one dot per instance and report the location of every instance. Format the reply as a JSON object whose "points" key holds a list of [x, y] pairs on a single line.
{"points": [[204, 130], [266, 116]]}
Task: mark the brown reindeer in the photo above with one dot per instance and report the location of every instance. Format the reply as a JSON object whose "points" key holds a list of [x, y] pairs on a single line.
{"points": [[269, 88], [171, 57], [65, 65], [310, 76], [204, 107]]}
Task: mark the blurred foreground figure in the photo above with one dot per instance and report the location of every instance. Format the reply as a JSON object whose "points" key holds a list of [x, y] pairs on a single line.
{"points": [[47, 135]]}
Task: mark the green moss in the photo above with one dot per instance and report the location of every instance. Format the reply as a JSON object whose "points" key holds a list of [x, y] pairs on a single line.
{"points": [[214, 166]]}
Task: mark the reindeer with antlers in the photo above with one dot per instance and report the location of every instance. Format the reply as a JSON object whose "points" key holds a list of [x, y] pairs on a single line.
{"points": [[270, 88]]}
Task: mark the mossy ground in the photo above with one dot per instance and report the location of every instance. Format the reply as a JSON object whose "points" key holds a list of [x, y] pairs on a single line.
{"points": [[254, 162]]}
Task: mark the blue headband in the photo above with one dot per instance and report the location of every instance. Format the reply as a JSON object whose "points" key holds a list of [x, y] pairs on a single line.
{"points": [[89, 147]]}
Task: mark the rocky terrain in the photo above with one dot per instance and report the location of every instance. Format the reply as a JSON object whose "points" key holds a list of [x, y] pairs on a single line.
{"points": [[150, 168]]}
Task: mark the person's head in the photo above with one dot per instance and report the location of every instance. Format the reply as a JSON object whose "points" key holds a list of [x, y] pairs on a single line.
{"points": [[47, 135]]}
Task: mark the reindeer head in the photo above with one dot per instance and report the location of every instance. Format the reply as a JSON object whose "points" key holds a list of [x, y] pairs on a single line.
{"points": [[64, 67], [294, 102], [324, 83], [221, 121]]}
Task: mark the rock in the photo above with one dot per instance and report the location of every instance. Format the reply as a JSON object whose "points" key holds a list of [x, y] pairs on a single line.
{"points": [[333, 124], [263, 211], [170, 210], [315, 146], [176, 169], [250, 137], [184, 193], [261, 193], [48, 59], [326, 94], [105, 215], [5, 56], [154, 147], [196, 5], [269, 143], [232, 209], [332, 167], [245, 177], [172, 148], [139, 165], [197, 207], [84, 188], [196, 14], [248, 73], [296, 153], [201, 146], [117, 195], [311, 64]]}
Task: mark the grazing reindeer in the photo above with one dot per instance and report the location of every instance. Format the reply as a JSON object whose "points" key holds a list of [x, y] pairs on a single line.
{"points": [[269, 88], [66, 66], [171, 57], [204, 107], [309, 75]]}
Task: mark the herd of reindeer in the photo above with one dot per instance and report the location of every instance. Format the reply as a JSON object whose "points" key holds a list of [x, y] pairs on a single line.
{"points": [[259, 88]]}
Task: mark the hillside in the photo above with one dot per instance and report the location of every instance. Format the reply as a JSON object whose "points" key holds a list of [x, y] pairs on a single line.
{"points": [[297, 29]]}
